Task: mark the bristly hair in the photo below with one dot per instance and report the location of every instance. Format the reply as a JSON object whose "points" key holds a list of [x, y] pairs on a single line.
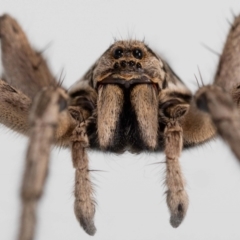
{"points": [[48, 45], [210, 49], [197, 80], [199, 72], [59, 80]]}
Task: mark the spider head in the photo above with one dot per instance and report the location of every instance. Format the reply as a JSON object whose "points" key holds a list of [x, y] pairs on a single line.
{"points": [[129, 62]]}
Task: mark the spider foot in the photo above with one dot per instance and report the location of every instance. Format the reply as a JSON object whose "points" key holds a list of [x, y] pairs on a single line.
{"points": [[178, 204], [85, 216]]}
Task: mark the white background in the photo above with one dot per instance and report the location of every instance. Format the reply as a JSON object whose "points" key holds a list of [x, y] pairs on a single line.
{"points": [[129, 190]]}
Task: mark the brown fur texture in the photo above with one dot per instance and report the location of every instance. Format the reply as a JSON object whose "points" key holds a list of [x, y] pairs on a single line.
{"points": [[227, 75], [145, 103], [43, 123], [177, 198], [197, 126], [84, 204], [130, 99], [224, 114], [221, 100], [24, 68], [14, 108], [109, 105], [128, 67]]}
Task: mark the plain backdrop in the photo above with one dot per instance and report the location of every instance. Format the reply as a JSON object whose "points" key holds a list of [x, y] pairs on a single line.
{"points": [[130, 188]]}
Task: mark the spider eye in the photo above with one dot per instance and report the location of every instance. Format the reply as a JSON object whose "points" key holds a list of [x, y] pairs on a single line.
{"points": [[137, 53], [118, 53]]}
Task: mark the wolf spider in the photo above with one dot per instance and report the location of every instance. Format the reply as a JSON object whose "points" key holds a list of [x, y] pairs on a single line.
{"points": [[129, 100]]}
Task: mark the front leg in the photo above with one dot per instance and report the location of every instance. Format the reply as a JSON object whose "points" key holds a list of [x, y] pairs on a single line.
{"points": [[172, 110], [82, 107], [84, 205], [177, 198]]}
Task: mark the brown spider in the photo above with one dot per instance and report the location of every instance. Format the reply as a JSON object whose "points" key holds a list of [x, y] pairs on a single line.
{"points": [[129, 100]]}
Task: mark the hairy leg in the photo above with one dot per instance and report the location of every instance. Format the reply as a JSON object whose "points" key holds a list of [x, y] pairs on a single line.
{"points": [[29, 112], [84, 205], [14, 108], [24, 68], [224, 114], [177, 198], [25, 74], [173, 108], [43, 124], [50, 122], [221, 100]]}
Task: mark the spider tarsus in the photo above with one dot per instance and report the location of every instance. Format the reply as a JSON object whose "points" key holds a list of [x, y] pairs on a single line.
{"points": [[178, 204], [88, 226], [210, 49], [86, 222], [176, 220]]}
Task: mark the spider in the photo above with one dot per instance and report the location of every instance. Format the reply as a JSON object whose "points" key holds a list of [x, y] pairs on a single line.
{"points": [[129, 100]]}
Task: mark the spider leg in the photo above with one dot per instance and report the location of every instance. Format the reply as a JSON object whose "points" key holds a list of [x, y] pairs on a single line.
{"points": [[221, 100], [84, 205], [24, 68], [177, 198], [14, 108], [173, 107], [224, 114], [82, 106], [43, 124], [228, 72], [25, 74]]}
